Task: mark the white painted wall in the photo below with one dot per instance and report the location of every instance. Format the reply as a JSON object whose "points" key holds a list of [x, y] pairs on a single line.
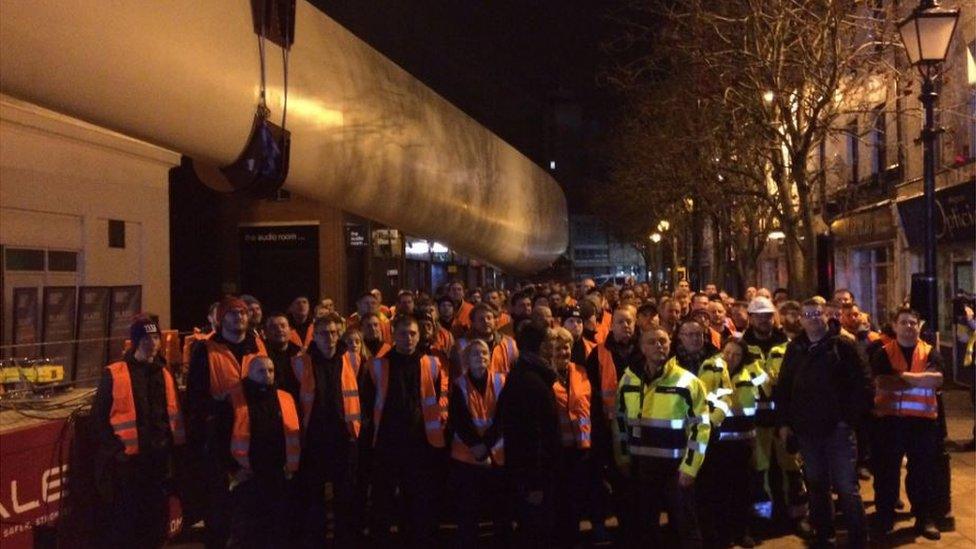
{"points": [[61, 180]]}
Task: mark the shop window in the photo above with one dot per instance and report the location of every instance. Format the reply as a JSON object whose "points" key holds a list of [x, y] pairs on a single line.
{"points": [[873, 281], [62, 261], [24, 260]]}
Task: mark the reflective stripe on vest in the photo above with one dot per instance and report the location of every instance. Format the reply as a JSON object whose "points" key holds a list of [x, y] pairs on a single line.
{"points": [[225, 372], [482, 409], [301, 365], [660, 425], [608, 379], [912, 402], [433, 402], [240, 440], [573, 407], [122, 415]]}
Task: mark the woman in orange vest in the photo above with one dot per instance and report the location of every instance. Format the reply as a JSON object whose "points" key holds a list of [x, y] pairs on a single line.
{"points": [[477, 452], [573, 394], [265, 450], [137, 421]]}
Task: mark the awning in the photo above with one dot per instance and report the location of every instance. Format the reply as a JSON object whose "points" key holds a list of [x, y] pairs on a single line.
{"points": [[870, 224]]}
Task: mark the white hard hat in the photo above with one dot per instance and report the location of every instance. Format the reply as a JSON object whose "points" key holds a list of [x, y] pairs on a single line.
{"points": [[760, 305]]}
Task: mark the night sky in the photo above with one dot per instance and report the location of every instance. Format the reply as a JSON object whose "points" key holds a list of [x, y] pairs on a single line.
{"points": [[527, 70]]}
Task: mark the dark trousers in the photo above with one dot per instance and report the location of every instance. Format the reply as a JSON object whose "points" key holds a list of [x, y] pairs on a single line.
{"points": [[479, 491], [336, 464], [573, 483], [137, 512], [218, 513], [894, 438], [723, 492], [534, 518], [261, 512], [406, 487], [832, 459], [653, 489]]}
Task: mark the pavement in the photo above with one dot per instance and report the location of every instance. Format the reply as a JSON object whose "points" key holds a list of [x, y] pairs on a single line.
{"points": [[960, 418]]}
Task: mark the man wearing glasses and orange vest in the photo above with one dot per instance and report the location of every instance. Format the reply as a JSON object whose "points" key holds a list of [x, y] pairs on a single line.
{"points": [[217, 367], [137, 422], [908, 372], [330, 389]]}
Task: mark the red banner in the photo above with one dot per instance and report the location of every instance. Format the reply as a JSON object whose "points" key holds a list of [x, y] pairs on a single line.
{"points": [[32, 477]]}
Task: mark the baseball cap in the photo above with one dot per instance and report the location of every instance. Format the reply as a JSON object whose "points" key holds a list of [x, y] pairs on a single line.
{"points": [[141, 327], [761, 305]]}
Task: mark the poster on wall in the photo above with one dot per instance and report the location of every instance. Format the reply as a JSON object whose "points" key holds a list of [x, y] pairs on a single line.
{"points": [[59, 326], [126, 302], [26, 323], [92, 333]]}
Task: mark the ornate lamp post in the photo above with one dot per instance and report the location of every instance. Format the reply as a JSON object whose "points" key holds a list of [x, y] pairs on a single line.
{"points": [[926, 34]]}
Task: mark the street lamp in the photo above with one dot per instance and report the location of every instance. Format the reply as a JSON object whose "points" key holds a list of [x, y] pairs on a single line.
{"points": [[926, 34], [655, 237]]}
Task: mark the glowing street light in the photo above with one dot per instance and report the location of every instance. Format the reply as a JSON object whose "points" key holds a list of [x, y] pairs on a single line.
{"points": [[655, 237]]}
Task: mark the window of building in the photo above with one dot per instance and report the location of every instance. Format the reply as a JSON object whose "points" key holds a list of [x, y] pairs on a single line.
{"points": [[853, 156], [873, 281], [116, 233], [23, 259], [879, 153], [62, 261], [971, 153]]}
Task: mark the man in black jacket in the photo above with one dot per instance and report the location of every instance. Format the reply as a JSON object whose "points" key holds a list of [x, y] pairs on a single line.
{"points": [[530, 425], [136, 423], [408, 394], [330, 449], [823, 392]]}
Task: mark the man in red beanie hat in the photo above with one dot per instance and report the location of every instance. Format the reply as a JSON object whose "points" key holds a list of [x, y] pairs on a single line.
{"points": [[137, 422], [216, 368]]}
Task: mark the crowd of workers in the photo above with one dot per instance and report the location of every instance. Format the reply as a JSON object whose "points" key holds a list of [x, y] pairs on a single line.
{"points": [[529, 410]]}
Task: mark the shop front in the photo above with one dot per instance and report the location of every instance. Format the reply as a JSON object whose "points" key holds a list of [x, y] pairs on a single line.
{"points": [[956, 258], [865, 259]]}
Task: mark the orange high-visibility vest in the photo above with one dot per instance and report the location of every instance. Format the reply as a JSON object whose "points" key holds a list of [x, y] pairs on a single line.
{"points": [[122, 416], [716, 337], [912, 402], [608, 380], [302, 365], [443, 340], [433, 396], [298, 340], [172, 353], [503, 319], [462, 319], [225, 372], [603, 329], [573, 406], [482, 409], [192, 339], [240, 439]]}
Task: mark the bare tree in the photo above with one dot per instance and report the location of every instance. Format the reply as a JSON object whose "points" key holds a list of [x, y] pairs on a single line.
{"points": [[745, 90]]}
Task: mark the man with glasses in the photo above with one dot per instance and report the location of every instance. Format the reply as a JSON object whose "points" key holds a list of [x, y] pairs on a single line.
{"points": [[822, 394]]}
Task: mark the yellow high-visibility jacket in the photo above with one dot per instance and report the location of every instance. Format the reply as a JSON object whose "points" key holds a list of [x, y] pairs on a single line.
{"points": [[663, 418]]}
